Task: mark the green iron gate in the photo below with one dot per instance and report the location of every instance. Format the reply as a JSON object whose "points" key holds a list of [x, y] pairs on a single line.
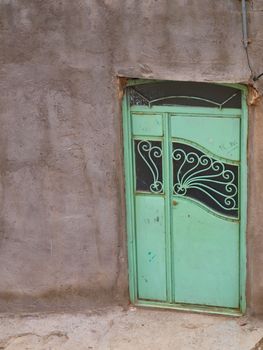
{"points": [[186, 183]]}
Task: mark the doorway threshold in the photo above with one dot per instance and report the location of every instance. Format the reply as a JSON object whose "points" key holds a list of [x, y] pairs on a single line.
{"points": [[204, 309]]}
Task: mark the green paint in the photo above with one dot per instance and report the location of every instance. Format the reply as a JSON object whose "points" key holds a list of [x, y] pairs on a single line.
{"points": [[206, 247], [206, 257], [147, 124], [184, 256], [243, 200], [218, 135], [129, 200], [150, 244]]}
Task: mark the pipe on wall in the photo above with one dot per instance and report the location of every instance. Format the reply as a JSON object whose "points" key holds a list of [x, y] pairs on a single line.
{"points": [[244, 21]]}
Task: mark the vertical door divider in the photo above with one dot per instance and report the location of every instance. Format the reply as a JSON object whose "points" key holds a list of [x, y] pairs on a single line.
{"points": [[168, 202]]}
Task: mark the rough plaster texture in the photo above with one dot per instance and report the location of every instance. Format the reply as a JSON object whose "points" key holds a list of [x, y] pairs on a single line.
{"points": [[62, 233], [115, 329]]}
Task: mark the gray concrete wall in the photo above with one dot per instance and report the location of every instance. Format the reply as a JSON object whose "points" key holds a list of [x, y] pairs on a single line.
{"points": [[62, 234]]}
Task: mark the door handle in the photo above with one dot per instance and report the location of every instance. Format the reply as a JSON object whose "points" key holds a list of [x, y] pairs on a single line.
{"points": [[174, 202]]}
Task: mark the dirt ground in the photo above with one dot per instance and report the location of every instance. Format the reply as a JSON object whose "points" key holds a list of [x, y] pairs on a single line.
{"points": [[133, 329]]}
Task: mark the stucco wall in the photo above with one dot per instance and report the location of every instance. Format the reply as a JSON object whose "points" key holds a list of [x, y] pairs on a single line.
{"points": [[62, 233]]}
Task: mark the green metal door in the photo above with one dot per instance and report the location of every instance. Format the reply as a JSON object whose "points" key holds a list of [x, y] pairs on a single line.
{"points": [[186, 205]]}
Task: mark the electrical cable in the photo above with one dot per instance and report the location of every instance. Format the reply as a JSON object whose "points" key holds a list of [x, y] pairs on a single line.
{"points": [[259, 76], [249, 64]]}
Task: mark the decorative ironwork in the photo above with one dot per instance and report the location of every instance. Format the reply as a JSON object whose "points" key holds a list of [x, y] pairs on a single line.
{"points": [[205, 179], [148, 166], [220, 105], [136, 98]]}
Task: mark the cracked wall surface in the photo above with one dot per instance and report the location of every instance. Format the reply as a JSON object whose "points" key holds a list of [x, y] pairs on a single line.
{"points": [[62, 226]]}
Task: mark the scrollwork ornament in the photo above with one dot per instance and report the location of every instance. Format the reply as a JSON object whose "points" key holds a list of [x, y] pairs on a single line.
{"points": [[149, 154], [202, 173]]}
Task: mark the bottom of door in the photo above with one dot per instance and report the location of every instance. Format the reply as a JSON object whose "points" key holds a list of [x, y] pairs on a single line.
{"points": [[190, 308]]}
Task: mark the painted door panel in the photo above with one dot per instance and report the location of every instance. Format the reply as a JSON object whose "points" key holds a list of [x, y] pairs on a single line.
{"points": [[206, 257], [149, 206], [218, 135], [147, 124], [150, 241], [186, 177], [205, 228]]}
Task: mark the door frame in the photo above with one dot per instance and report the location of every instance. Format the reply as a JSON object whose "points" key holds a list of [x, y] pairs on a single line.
{"points": [[130, 222]]}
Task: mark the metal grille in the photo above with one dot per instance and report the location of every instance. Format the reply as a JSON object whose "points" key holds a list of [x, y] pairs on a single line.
{"points": [[207, 180], [148, 159], [185, 94]]}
